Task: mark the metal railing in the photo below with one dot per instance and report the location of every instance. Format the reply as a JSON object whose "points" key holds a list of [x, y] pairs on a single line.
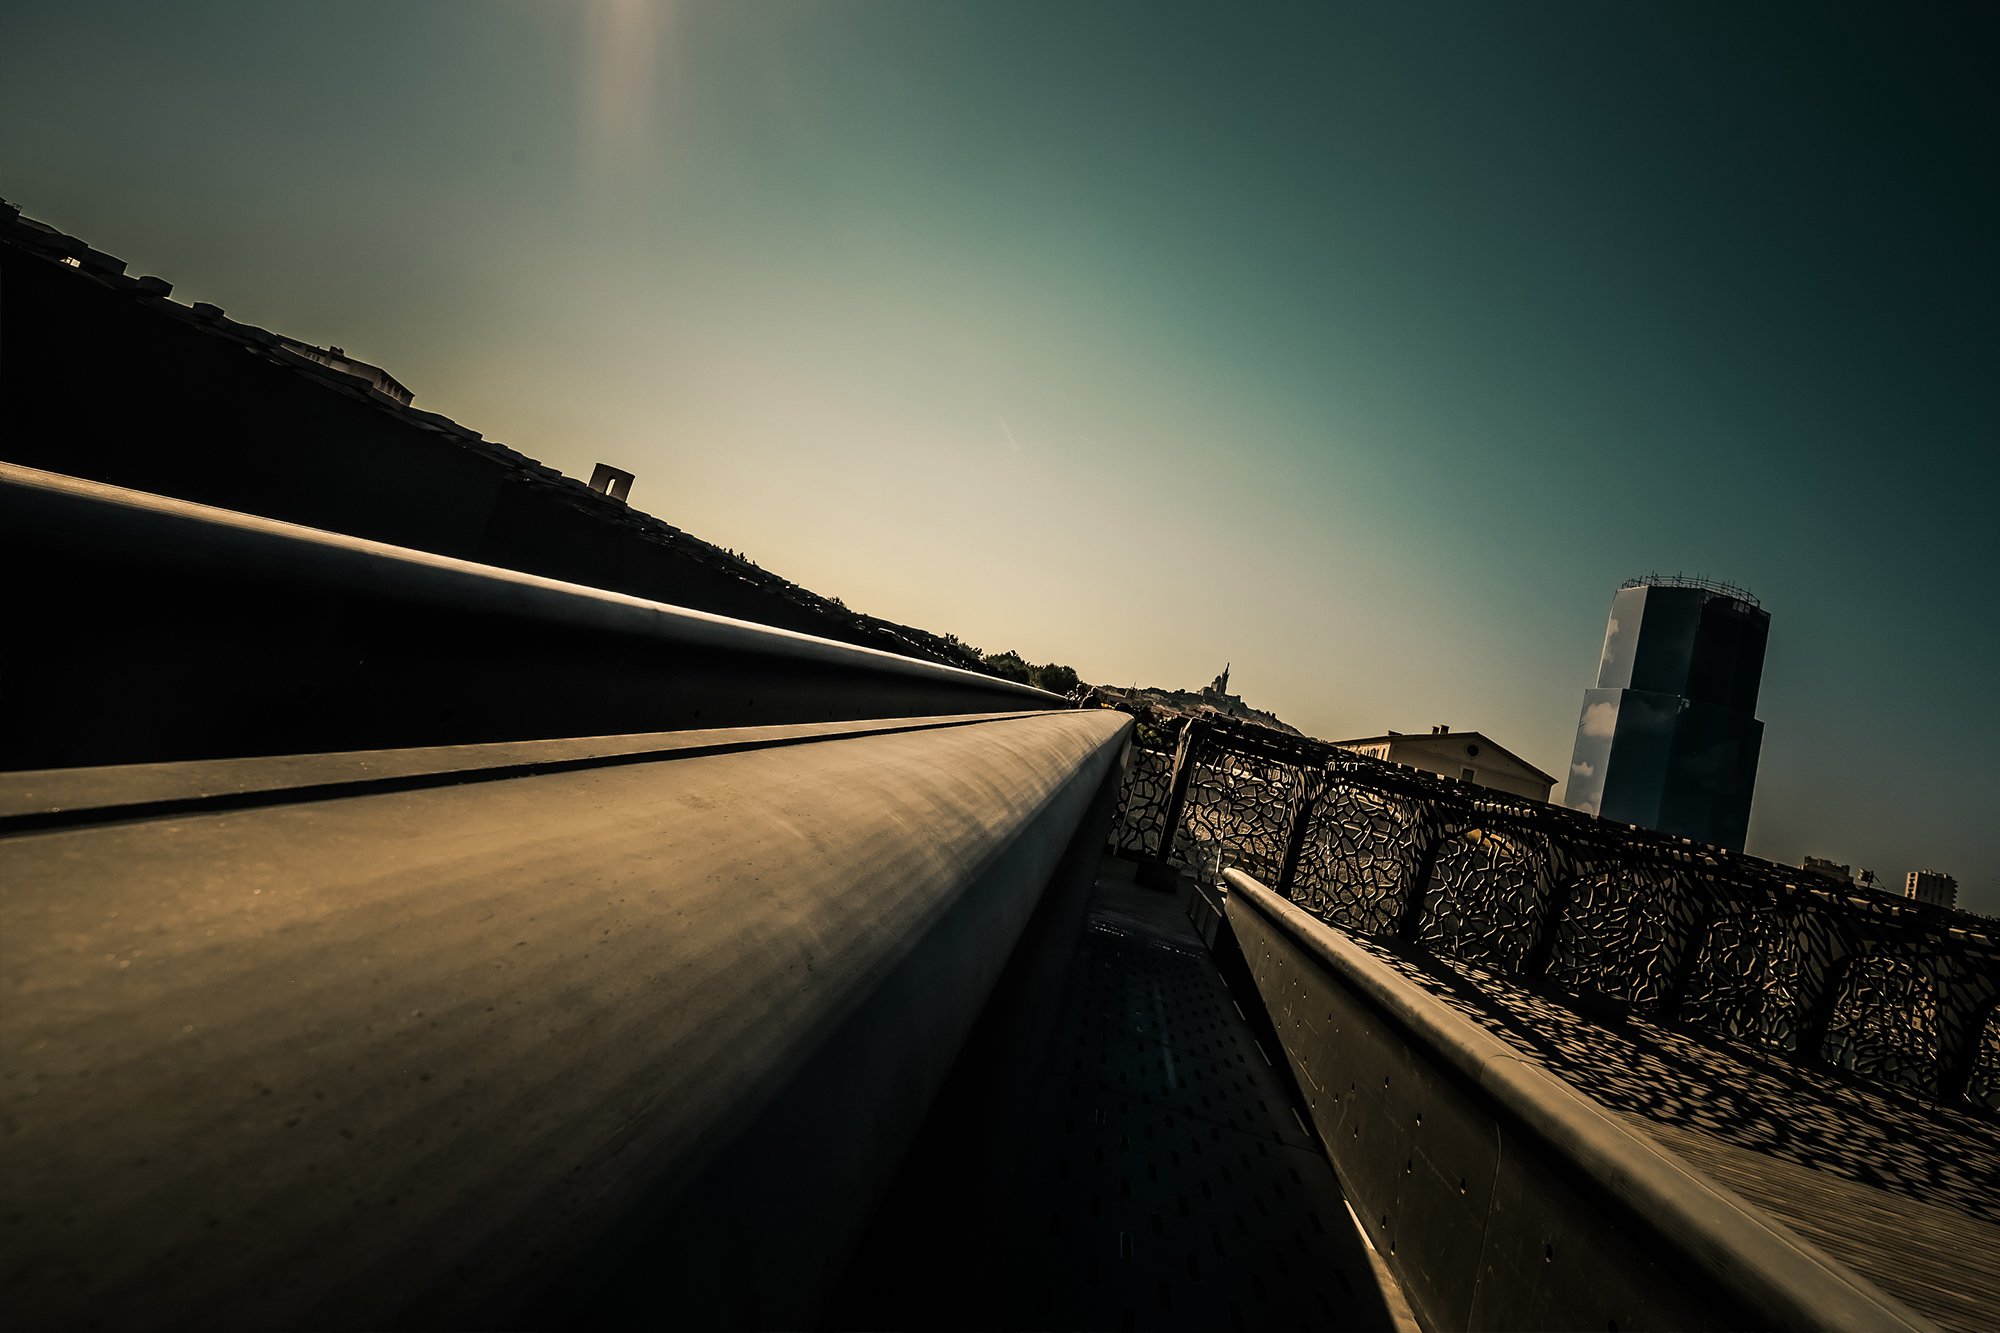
{"points": [[1892, 990]]}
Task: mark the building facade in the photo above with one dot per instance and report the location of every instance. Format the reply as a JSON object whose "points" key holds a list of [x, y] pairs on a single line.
{"points": [[1468, 756], [1931, 886], [1669, 738]]}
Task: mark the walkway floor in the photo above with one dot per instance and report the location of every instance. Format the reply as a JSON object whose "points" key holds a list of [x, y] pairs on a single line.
{"points": [[1169, 1182]]}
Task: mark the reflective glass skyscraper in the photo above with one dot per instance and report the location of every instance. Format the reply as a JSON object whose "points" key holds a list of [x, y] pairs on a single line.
{"points": [[1669, 737]]}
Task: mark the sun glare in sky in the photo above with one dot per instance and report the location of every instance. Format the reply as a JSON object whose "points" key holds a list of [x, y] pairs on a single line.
{"points": [[1368, 348]]}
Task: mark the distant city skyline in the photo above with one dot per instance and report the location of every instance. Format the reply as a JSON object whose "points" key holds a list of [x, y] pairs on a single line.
{"points": [[1369, 349]]}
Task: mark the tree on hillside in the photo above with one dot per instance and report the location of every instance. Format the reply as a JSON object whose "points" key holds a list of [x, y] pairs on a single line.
{"points": [[1054, 678], [1007, 666]]}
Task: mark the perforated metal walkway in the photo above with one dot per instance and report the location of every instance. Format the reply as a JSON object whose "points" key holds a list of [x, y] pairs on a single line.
{"points": [[1167, 1181]]}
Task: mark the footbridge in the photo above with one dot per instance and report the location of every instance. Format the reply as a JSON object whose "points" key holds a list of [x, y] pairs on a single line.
{"points": [[391, 940], [1642, 1069]]}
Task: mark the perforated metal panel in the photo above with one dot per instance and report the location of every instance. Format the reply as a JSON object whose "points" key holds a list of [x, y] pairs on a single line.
{"points": [[1170, 1184]]}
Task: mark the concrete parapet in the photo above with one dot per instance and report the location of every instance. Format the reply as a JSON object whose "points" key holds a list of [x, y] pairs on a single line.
{"points": [[464, 1051], [159, 629], [1500, 1198]]}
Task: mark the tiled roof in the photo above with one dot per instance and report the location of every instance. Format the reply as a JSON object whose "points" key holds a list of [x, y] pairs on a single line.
{"points": [[1479, 736]]}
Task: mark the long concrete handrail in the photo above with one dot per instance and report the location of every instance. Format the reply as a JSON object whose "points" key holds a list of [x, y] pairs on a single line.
{"points": [[602, 1032], [155, 625], [1789, 1283], [71, 797], [156, 524]]}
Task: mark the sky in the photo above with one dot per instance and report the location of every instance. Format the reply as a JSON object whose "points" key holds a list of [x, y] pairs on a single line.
{"points": [[1367, 348]]}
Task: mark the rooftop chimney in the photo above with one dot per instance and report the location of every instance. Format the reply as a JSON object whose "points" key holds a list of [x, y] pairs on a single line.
{"points": [[613, 482]]}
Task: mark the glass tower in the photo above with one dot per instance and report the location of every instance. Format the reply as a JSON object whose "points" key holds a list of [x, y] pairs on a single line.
{"points": [[1669, 737]]}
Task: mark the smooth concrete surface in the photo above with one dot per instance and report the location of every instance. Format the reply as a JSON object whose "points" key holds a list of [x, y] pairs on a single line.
{"points": [[161, 630], [1500, 1197], [53, 797], [1886, 1181], [412, 1058]]}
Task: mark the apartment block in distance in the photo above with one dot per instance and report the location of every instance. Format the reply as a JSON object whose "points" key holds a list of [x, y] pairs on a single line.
{"points": [[1931, 886]]}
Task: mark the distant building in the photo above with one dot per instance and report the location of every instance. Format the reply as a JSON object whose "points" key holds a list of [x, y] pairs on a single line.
{"points": [[1669, 737], [333, 358], [1931, 886], [1819, 865], [1469, 756], [1215, 697], [1216, 694]]}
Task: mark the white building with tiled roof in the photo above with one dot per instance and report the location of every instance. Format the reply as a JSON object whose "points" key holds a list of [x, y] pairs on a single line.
{"points": [[1469, 756]]}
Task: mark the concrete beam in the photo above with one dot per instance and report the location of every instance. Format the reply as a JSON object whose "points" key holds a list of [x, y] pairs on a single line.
{"points": [[159, 630], [330, 1054], [1500, 1197]]}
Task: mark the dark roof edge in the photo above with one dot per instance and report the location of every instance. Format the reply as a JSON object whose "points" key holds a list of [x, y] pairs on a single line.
{"points": [[38, 238]]}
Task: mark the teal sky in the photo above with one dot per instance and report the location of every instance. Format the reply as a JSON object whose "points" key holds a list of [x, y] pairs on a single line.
{"points": [[1367, 347]]}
